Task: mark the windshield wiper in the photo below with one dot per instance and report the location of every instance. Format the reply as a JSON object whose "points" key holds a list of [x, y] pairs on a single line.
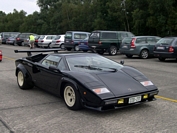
{"points": [[95, 67], [88, 67]]}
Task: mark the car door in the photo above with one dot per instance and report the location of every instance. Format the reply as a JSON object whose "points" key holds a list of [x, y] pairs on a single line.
{"points": [[47, 78]]}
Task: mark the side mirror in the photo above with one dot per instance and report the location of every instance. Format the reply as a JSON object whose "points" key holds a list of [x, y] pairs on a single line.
{"points": [[54, 69], [122, 62]]}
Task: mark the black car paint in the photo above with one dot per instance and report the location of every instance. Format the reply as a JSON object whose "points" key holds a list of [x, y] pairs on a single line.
{"points": [[53, 81]]}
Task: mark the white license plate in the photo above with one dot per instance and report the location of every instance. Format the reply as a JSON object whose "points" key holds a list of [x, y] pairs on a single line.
{"points": [[124, 46], [82, 43], [134, 99], [160, 48]]}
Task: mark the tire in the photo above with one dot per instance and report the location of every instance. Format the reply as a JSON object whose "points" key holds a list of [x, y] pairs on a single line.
{"points": [[22, 81], [112, 50], [49, 45], [101, 52], [22, 44], [144, 54], [161, 59], [62, 46], [129, 55], [69, 49], [72, 97], [76, 48]]}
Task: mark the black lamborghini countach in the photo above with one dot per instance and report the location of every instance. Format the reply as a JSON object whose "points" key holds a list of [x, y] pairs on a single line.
{"points": [[84, 79]]}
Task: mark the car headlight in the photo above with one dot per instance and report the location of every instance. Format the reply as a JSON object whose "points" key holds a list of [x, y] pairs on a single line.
{"points": [[146, 83], [101, 90]]}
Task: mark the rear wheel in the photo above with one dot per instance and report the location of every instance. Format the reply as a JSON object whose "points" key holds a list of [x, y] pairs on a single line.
{"points": [[76, 48], [72, 97], [49, 45], [161, 59], [129, 56], [144, 54], [113, 50], [22, 81], [62, 46]]}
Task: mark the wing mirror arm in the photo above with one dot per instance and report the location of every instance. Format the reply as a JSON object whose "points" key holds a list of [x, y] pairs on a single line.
{"points": [[122, 62]]}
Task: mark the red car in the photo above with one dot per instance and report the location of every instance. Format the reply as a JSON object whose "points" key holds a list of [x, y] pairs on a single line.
{"points": [[0, 55]]}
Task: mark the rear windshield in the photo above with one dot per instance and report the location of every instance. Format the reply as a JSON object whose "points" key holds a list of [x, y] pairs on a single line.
{"points": [[95, 35], [80, 36], [57, 37], [127, 40], [68, 35], [41, 37], [166, 41], [24, 35]]}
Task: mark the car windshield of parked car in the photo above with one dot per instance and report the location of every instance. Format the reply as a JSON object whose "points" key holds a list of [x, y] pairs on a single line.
{"points": [[91, 63], [165, 41]]}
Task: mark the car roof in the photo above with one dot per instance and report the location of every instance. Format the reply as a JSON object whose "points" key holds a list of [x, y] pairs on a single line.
{"points": [[73, 54], [107, 31], [78, 31]]}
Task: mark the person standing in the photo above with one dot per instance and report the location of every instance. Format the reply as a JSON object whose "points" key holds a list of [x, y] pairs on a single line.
{"points": [[31, 41]]}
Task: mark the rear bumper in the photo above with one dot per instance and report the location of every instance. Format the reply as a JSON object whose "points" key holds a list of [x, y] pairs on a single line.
{"points": [[165, 54], [129, 51], [69, 45]]}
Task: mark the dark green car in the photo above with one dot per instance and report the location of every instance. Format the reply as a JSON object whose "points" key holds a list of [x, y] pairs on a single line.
{"points": [[142, 46], [107, 41]]}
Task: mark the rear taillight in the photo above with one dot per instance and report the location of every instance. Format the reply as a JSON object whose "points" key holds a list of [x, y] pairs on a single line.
{"points": [[72, 41], [18, 39], [86, 43], [58, 41], [36, 40], [42, 41], [99, 42], [133, 43], [171, 49]]}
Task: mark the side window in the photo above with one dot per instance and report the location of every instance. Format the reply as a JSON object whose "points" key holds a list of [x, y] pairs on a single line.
{"points": [[141, 40], [61, 65], [151, 40], [48, 37], [95, 35], [51, 60], [79, 36], [109, 35]]}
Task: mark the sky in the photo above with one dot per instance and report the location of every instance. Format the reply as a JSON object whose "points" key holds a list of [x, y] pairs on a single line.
{"points": [[28, 6]]}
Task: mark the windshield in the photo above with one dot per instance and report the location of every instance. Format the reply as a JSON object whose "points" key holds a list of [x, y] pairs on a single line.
{"points": [[91, 62], [165, 41]]}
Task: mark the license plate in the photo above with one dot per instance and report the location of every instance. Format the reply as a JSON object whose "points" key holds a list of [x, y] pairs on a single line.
{"points": [[82, 43], [134, 99], [124, 46], [67, 41], [160, 48]]}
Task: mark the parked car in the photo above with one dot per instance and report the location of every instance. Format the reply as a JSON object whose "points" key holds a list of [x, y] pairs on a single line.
{"points": [[84, 79], [58, 42], [0, 55], [83, 45], [45, 40], [72, 39], [6, 35], [166, 48], [23, 39], [12, 40], [107, 41], [142, 46], [36, 40]]}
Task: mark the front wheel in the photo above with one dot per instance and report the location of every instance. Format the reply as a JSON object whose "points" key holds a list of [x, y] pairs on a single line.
{"points": [[113, 50], [22, 81], [72, 97], [144, 54]]}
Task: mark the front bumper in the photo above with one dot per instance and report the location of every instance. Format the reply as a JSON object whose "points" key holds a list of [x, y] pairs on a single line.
{"points": [[112, 104], [165, 54]]}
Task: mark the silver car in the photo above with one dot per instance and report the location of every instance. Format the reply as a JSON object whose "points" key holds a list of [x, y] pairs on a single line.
{"points": [[58, 42], [45, 40], [142, 46]]}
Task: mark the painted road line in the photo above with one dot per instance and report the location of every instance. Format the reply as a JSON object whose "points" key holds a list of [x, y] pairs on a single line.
{"points": [[9, 58], [167, 99]]}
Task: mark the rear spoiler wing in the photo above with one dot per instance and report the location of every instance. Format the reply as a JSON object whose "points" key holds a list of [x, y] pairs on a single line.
{"points": [[36, 50]]}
